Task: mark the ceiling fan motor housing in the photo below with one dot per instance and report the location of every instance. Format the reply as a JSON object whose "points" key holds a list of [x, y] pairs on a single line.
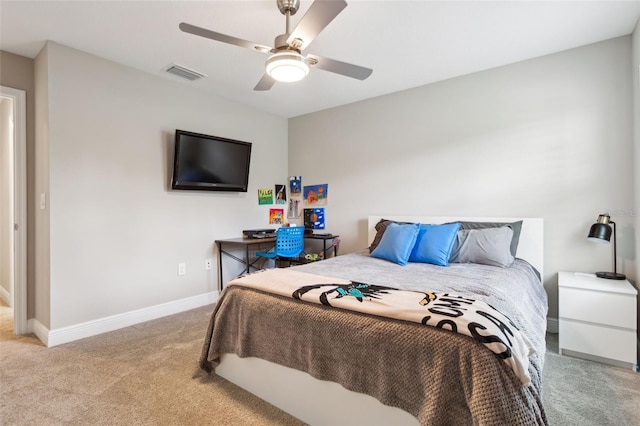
{"points": [[288, 5], [280, 43]]}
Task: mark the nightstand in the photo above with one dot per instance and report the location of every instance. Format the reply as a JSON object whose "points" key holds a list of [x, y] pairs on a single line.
{"points": [[597, 319]]}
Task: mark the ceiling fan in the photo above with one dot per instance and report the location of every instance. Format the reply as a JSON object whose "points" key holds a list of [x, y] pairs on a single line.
{"points": [[286, 63]]}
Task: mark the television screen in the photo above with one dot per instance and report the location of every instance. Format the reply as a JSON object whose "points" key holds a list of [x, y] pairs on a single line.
{"points": [[210, 163]]}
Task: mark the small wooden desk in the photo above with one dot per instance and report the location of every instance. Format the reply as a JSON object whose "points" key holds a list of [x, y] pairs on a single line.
{"points": [[256, 243], [246, 243]]}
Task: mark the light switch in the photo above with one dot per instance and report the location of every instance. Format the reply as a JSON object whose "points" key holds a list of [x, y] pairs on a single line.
{"points": [[43, 201]]}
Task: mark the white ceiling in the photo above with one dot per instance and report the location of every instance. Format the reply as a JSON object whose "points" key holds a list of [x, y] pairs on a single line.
{"points": [[406, 43]]}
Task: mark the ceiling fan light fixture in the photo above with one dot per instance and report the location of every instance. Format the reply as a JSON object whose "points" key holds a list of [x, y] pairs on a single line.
{"points": [[287, 67]]}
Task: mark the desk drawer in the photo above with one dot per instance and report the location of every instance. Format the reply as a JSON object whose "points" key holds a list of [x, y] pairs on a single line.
{"points": [[598, 307]]}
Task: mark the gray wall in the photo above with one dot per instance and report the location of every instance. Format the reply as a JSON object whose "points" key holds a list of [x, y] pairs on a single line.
{"points": [[636, 119], [635, 65], [550, 137], [18, 72], [117, 232]]}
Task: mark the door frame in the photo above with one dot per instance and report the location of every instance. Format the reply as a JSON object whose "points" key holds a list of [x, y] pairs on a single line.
{"points": [[19, 285]]}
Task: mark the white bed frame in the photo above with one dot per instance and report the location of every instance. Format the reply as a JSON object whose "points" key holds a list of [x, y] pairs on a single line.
{"points": [[291, 390]]}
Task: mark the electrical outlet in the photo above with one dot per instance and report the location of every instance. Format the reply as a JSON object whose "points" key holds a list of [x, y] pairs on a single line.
{"points": [[207, 264], [182, 268]]}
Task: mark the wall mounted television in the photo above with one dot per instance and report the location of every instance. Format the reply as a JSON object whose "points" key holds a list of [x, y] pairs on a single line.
{"points": [[210, 163]]}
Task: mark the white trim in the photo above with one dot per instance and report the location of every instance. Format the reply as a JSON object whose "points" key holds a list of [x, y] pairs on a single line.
{"points": [[39, 330], [5, 295], [19, 285], [552, 325], [103, 325]]}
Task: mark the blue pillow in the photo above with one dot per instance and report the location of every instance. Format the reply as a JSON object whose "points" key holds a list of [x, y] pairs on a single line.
{"points": [[434, 244], [397, 242]]}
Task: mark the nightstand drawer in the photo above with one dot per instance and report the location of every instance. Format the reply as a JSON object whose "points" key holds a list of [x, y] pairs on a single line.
{"points": [[612, 309], [599, 341]]}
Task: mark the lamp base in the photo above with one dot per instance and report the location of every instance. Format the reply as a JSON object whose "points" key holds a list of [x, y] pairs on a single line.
{"points": [[611, 275]]}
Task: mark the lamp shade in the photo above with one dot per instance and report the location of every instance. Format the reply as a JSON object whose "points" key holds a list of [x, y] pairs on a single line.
{"points": [[600, 232]]}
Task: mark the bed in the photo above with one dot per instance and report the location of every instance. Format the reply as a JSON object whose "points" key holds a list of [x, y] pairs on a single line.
{"points": [[326, 365]]}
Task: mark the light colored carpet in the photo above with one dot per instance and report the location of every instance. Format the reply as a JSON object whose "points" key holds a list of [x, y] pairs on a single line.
{"points": [[147, 375], [585, 393], [142, 375]]}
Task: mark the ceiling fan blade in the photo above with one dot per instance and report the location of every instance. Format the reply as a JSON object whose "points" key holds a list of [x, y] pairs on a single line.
{"points": [[202, 32], [339, 67], [317, 17], [265, 83]]}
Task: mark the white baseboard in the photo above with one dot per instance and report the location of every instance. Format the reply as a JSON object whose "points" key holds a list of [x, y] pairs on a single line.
{"points": [[103, 325], [34, 326], [5, 295]]}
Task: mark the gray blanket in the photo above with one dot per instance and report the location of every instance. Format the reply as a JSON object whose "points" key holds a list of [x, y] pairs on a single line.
{"points": [[440, 377]]}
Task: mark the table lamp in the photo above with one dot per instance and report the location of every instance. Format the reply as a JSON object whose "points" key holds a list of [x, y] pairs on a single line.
{"points": [[600, 232]]}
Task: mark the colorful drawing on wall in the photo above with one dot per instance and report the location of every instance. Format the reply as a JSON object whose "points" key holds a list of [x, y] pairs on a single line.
{"points": [[294, 209], [314, 218], [281, 194], [276, 216], [265, 196], [295, 185], [316, 195]]}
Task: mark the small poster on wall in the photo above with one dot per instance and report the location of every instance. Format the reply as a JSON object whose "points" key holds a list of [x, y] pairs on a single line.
{"points": [[316, 195], [294, 209], [295, 186], [265, 196], [314, 218], [295, 197], [276, 216], [281, 194]]}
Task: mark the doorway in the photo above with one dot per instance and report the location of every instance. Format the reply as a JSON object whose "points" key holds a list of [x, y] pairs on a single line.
{"points": [[13, 213]]}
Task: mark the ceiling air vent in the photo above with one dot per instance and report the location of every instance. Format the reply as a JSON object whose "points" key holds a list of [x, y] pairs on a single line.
{"points": [[184, 72]]}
